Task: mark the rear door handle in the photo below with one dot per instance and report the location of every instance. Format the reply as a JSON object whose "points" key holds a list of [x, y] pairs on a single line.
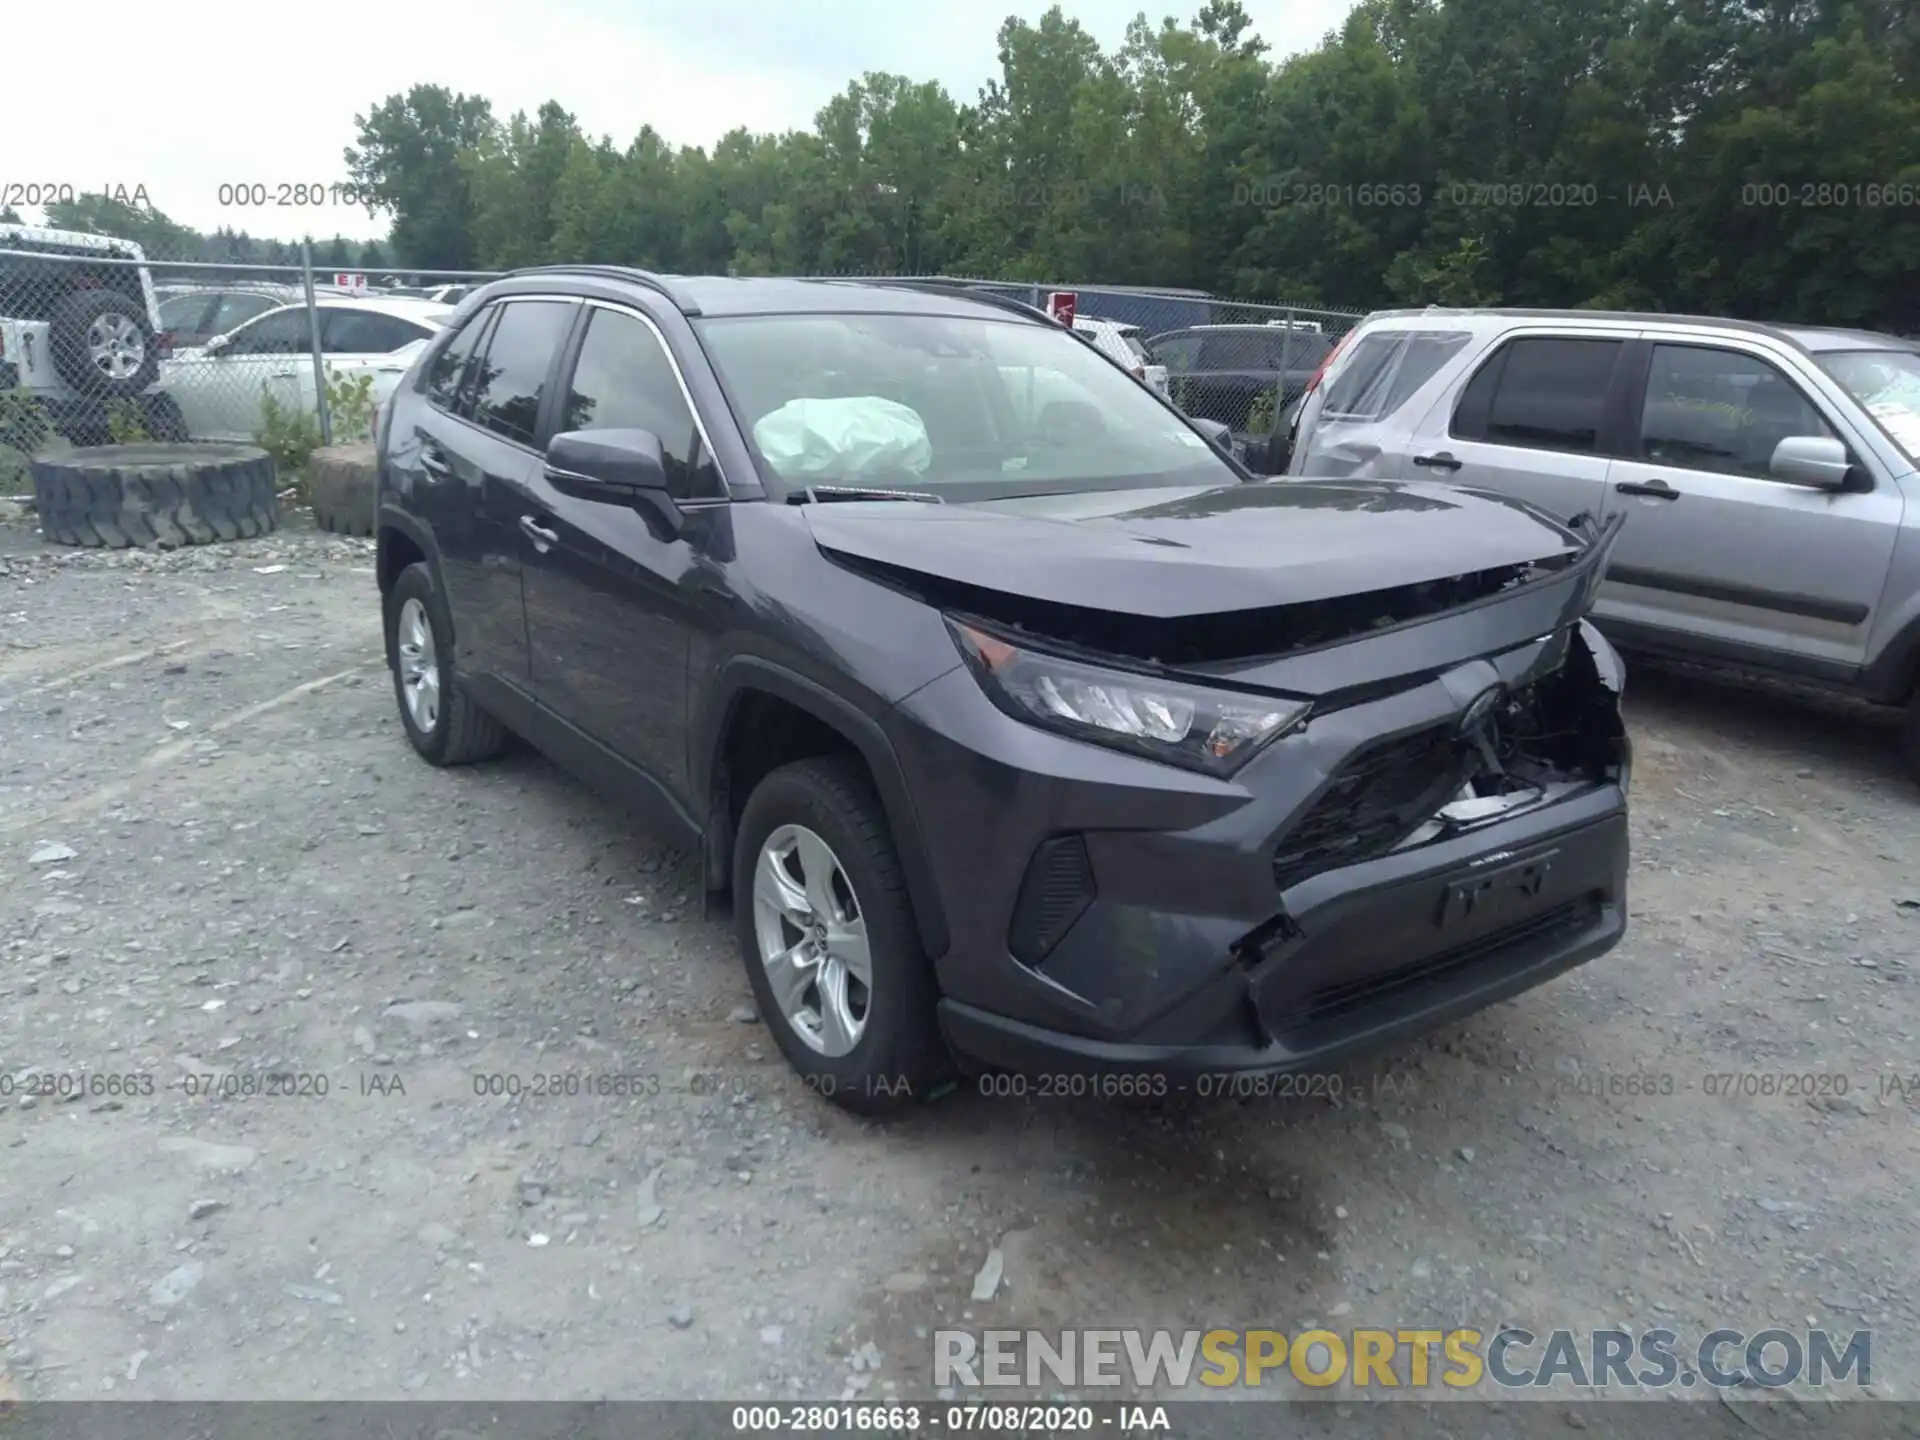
{"points": [[1653, 489], [542, 538], [1440, 461]]}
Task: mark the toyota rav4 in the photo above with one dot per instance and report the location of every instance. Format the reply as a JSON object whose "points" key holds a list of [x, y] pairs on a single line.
{"points": [[1024, 729]]}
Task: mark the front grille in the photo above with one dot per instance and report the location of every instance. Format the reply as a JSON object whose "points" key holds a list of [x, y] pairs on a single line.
{"points": [[1383, 793]]}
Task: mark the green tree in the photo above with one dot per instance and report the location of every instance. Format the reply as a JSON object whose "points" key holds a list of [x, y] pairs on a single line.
{"points": [[406, 163]]}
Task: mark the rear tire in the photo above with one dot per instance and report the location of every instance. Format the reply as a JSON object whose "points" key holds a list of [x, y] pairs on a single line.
{"points": [[452, 730], [899, 1057]]}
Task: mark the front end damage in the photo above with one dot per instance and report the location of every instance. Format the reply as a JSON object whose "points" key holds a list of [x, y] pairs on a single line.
{"points": [[1447, 828]]}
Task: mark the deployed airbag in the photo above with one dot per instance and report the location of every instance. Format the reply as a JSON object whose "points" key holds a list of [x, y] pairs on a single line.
{"points": [[855, 437]]}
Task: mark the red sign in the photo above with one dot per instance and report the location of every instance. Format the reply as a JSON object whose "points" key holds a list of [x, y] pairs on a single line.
{"points": [[1061, 305], [352, 284]]}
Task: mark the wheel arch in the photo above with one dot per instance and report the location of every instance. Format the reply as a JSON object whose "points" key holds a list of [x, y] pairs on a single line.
{"points": [[742, 689]]}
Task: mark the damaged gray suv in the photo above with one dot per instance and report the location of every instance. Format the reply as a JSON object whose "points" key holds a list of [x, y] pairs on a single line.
{"points": [[1764, 476], [1025, 730]]}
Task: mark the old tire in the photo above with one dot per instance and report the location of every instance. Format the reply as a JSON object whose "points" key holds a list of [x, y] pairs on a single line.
{"points": [[102, 344], [155, 495], [340, 483]]}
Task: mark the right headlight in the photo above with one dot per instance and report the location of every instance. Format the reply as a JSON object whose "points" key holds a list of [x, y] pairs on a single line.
{"points": [[1215, 731]]}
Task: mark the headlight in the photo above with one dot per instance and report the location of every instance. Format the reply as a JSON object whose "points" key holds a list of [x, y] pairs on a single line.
{"points": [[1216, 731]]}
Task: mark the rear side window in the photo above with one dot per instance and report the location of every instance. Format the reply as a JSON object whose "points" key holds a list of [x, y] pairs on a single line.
{"points": [[1541, 394], [1176, 352], [449, 366], [511, 379], [1386, 369]]}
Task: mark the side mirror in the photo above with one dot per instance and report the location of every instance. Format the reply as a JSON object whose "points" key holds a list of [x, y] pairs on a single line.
{"points": [[1811, 460], [1220, 435], [216, 345], [615, 467]]}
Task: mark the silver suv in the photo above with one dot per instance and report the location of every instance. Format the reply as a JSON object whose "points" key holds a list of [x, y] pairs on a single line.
{"points": [[1767, 472]]}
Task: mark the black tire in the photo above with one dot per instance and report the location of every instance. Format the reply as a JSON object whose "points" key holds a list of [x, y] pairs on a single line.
{"points": [[340, 483], [69, 340], [462, 732], [900, 1058], [156, 495]]}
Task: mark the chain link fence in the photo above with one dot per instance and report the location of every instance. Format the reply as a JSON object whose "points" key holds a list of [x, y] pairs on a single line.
{"points": [[103, 344]]}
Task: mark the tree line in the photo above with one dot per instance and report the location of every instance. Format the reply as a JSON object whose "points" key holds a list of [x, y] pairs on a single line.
{"points": [[1757, 158]]}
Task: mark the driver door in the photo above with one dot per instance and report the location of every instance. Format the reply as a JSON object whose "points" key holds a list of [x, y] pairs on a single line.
{"points": [[1715, 549]]}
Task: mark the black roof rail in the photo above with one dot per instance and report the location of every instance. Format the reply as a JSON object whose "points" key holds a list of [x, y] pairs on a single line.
{"points": [[966, 288], [660, 284]]}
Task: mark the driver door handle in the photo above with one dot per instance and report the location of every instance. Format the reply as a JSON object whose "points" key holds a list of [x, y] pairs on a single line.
{"points": [[1440, 461], [1653, 489], [542, 538]]}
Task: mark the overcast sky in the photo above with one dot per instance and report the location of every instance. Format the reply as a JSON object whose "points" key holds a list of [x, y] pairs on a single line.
{"points": [[182, 99]]}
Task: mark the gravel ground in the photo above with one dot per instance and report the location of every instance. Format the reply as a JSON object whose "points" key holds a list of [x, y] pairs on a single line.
{"points": [[220, 860]]}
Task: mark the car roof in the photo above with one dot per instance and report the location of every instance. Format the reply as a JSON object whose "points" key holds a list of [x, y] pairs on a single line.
{"points": [[1813, 338]]}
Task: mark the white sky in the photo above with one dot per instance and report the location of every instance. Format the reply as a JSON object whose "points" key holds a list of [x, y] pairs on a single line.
{"points": [[214, 92]]}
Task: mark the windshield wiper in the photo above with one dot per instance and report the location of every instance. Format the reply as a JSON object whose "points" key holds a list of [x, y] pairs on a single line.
{"points": [[821, 494]]}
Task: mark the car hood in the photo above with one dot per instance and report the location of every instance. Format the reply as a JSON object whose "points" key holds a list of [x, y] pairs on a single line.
{"points": [[1172, 553]]}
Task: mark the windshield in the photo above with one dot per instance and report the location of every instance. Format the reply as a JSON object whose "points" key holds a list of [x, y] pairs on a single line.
{"points": [[969, 408], [1887, 385]]}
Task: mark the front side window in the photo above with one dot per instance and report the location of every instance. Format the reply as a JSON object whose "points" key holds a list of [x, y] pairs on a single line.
{"points": [[966, 406], [1722, 410], [512, 377], [1176, 352], [280, 332], [235, 310], [624, 380], [1540, 394]]}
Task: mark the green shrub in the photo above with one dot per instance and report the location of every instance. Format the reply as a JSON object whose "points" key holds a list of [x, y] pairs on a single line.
{"points": [[127, 423], [289, 435], [350, 406], [23, 424], [1260, 418]]}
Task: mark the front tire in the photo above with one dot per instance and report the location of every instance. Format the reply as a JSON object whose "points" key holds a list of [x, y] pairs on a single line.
{"points": [[828, 937], [443, 723]]}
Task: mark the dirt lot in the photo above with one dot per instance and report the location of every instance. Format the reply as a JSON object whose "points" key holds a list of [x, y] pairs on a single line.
{"points": [[262, 878]]}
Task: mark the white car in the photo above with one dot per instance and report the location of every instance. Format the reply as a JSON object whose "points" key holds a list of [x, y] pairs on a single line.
{"points": [[219, 386], [1124, 344]]}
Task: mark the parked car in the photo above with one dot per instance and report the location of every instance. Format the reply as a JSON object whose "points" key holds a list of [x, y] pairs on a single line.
{"points": [[1765, 474], [1029, 737], [1124, 344], [193, 315], [219, 386], [80, 339], [1233, 373]]}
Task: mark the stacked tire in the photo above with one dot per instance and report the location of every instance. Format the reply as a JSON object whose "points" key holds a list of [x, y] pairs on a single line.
{"points": [[340, 482], [156, 496]]}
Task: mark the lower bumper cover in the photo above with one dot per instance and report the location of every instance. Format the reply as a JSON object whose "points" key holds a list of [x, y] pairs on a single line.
{"points": [[1361, 957]]}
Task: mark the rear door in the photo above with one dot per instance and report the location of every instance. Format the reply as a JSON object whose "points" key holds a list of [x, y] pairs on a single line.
{"points": [[473, 449], [1715, 551], [609, 604], [1535, 421]]}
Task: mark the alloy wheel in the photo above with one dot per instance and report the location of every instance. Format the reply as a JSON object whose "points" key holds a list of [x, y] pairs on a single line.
{"points": [[812, 940]]}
